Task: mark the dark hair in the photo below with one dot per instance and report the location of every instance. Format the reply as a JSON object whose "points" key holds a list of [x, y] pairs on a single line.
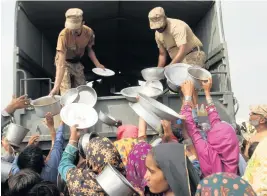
{"points": [[32, 158], [252, 148], [44, 188], [4, 188], [22, 182]]}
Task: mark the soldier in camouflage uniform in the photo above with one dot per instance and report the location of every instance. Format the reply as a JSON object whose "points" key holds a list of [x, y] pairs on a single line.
{"points": [[71, 44], [175, 37]]}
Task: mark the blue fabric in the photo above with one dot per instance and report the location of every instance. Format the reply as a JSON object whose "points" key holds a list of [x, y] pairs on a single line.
{"points": [[67, 160], [50, 170], [179, 121], [15, 168], [197, 167], [194, 114]]}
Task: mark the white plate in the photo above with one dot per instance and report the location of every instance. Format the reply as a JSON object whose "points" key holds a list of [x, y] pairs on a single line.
{"points": [[79, 113], [101, 72]]}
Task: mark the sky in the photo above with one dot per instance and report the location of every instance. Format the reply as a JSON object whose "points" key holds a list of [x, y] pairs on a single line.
{"points": [[245, 32]]}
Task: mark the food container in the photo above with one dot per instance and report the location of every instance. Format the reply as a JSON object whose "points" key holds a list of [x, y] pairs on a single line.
{"points": [[47, 104], [114, 183], [16, 134]]}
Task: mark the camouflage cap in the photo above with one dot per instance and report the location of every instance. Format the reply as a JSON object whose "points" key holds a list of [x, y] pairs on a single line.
{"points": [[259, 109], [157, 18], [74, 18]]}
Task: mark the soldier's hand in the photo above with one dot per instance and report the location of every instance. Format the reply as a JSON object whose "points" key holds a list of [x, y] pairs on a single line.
{"points": [[101, 66]]}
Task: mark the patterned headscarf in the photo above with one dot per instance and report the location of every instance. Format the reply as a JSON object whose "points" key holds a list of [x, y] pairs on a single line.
{"points": [[124, 146], [136, 168], [99, 152], [224, 184]]}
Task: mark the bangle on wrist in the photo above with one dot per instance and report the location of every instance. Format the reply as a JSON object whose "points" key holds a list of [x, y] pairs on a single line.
{"points": [[209, 100], [188, 98], [73, 141]]}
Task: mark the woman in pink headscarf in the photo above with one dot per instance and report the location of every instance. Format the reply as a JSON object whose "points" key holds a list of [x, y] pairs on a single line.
{"points": [[136, 168], [127, 131]]}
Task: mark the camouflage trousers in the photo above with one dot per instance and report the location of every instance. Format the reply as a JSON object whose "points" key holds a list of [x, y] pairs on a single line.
{"points": [[73, 77], [195, 58]]}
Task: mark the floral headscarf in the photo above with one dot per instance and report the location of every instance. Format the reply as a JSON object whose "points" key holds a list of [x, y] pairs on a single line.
{"points": [[224, 184], [124, 146], [100, 151], [136, 168]]}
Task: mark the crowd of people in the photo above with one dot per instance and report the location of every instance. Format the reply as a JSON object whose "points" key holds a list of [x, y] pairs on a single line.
{"points": [[199, 159], [198, 165]]}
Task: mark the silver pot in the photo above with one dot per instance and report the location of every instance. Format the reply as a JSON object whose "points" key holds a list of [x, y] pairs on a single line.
{"points": [[152, 120], [162, 111], [16, 134], [174, 88], [130, 93], [154, 84], [71, 96], [107, 119], [5, 170], [199, 73], [47, 104], [153, 73], [87, 95], [177, 74], [61, 184], [83, 142], [114, 183], [156, 141]]}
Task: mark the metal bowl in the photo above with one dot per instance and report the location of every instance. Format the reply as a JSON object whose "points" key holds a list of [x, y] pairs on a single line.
{"points": [[84, 141], [156, 141], [199, 73], [154, 84], [130, 93], [177, 74], [152, 120], [173, 87], [16, 134], [71, 96], [47, 104], [107, 119], [153, 73], [87, 95], [114, 183], [161, 110], [61, 184]]}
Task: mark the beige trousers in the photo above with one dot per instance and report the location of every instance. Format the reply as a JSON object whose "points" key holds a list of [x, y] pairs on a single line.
{"points": [[73, 77]]}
